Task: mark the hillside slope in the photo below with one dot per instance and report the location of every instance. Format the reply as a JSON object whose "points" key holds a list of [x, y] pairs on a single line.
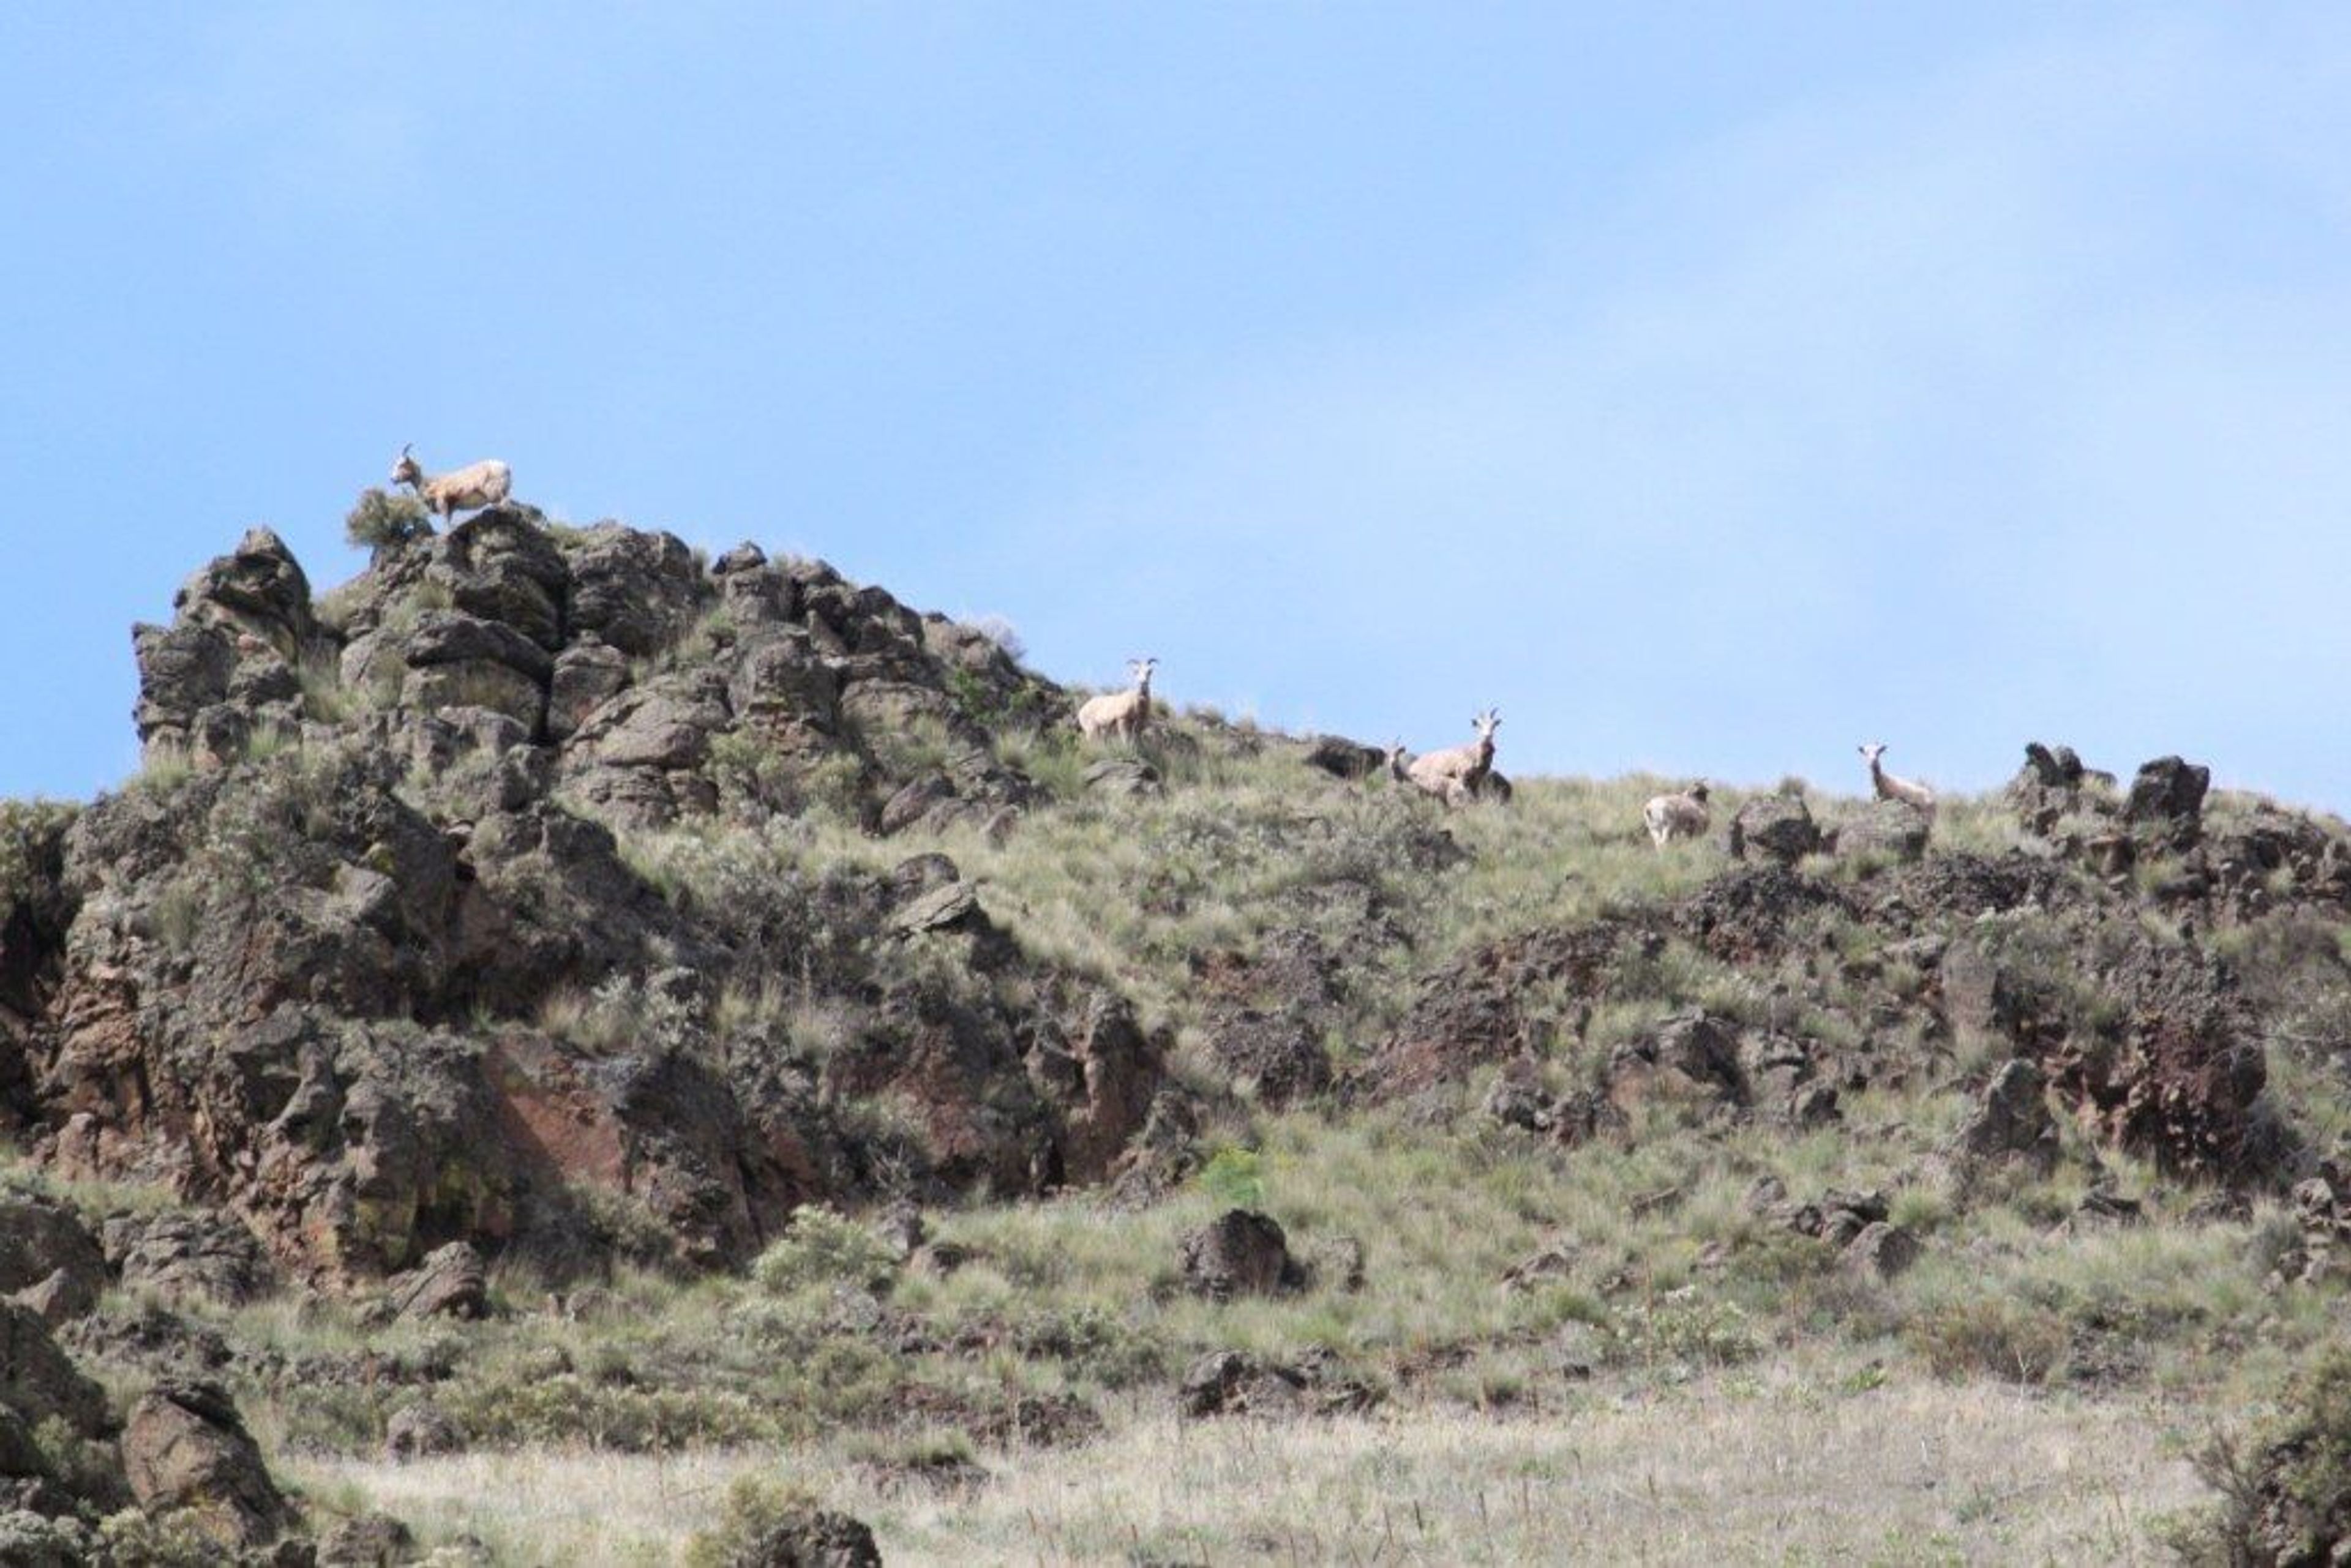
{"points": [[547, 926]]}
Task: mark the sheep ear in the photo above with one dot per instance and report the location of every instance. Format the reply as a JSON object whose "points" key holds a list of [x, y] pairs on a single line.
{"points": [[408, 449]]}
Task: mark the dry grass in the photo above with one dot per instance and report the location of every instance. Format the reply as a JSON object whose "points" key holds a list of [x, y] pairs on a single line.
{"points": [[1801, 1465]]}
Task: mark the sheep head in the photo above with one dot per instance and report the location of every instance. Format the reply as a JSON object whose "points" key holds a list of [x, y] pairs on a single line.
{"points": [[407, 471], [1872, 752], [1487, 723]]}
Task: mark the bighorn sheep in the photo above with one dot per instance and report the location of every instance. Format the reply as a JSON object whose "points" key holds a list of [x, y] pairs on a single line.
{"points": [[1399, 761], [1457, 775], [1682, 816], [483, 483], [1123, 714], [1909, 791]]}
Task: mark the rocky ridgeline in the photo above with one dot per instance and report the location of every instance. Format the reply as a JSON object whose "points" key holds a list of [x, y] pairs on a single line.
{"points": [[2078, 965], [363, 961]]}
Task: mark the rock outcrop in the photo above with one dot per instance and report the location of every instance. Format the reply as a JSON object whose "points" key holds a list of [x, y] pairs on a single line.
{"points": [[386, 966]]}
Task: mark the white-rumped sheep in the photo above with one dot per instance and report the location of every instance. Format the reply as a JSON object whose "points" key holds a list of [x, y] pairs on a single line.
{"points": [[1456, 775], [1399, 761], [1121, 714], [1682, 816], [483, 483], [1909, 791]]}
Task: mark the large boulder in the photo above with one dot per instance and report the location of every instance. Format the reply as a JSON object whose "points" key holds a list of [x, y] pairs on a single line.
{"points": [[1883, 830], [2167, 800], [49, 1258], [2013, 1121], [1776, 827], [185, 1451], [188, 1257], [810, 1538], [498, 565], [451, 1282], [637, 591], [1239, 1253]]}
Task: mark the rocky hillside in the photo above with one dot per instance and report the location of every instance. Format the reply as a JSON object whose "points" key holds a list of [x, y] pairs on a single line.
{"points": [[547, 909]]}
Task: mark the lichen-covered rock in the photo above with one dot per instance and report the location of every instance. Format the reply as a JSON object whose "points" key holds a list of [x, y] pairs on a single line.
{"points": [[1239, 1253], [184, 1450], [811, 1538], [421, 1431], [191, 1256], [48, 1258], [1886, 830], [2013, 1120], [2167, 800], [451, 1282], [1775, 827]]}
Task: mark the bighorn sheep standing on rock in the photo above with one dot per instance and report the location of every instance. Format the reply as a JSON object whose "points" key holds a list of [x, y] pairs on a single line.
{"points": [[1889, 787], [1399, 761], [1682, 816], [483, 483], [1457, 775], [1123, 714]]}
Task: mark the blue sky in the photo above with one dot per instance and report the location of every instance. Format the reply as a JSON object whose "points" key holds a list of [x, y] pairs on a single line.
{"points": [[1710, 387]]}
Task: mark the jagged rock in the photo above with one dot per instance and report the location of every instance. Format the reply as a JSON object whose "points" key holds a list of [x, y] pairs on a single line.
{"points": [[1235, 1383], [2013, 1120], [1162, 1155], [368, 1540], [1778, 827], [152, 1338], [259, 589], [1883, 1251], [637, 591], [1475, 1011], [1239, 1253], [60, 1297], [2053, 767], [1122, 776], [419, 1432], [184, 1449], [1883, 828], [500, 566], [745, 557], [2167, 799], [1343, 758], [811, 1538], [1552, 1265], [1691, 1056], [913, 802], [48, 1258], [939, 909], [39, 1383], [783, 677], [584, 676], [1276, 1058], [449, 637], [189, 1255], [451, 1282]]}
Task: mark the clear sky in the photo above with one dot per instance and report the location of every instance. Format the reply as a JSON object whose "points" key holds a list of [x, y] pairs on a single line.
{"points": [[1711, 387]]}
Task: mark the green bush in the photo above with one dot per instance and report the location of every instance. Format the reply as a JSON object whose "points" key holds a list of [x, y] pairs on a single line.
{"points": [[2010, 1340], [2290, 1501], [383, 520], [1235, 1177], [824, 1248], [753, 1508]]}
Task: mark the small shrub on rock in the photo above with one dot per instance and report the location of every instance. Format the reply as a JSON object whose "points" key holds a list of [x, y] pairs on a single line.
{"points": [[385, 519]]}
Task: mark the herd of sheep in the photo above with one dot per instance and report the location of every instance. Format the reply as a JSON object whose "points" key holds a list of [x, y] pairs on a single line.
{"points": [[1456, 775]]}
